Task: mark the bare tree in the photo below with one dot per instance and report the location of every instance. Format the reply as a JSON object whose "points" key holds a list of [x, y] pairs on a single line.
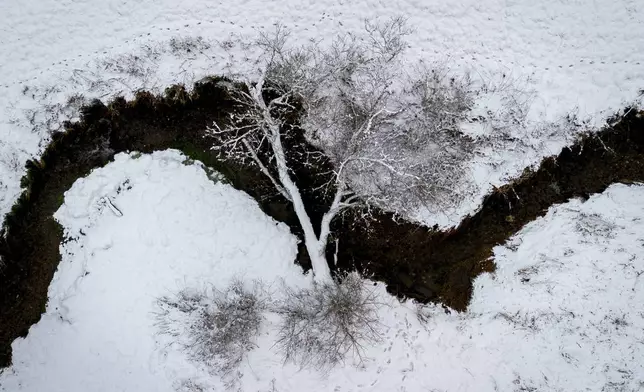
{"points": [[367, 115], [393, 136]]}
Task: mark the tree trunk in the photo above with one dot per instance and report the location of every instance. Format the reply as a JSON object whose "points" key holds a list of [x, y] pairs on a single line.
{"points": [[314, 246]]}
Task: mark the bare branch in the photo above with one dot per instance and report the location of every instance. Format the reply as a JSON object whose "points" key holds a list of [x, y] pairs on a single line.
{"points": [[394, 140], [264, 170]]}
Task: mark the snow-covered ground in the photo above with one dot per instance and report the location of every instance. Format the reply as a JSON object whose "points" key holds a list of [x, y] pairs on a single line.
{"points": [[567, 57], [563, 317]]}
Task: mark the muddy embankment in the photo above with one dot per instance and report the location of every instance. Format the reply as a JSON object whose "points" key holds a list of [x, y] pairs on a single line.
{"points": [[413, 260]]}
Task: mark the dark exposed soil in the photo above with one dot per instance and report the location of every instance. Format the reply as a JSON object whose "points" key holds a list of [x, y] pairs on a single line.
{"points": [[439, 266], [413, 260]]}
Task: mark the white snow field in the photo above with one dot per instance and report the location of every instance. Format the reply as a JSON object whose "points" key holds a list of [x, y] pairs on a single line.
{"points": [[563, 317], [557, 57], [568, 316]]}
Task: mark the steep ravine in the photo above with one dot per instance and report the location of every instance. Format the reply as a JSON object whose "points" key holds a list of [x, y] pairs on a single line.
{"points": [[413, 260]]}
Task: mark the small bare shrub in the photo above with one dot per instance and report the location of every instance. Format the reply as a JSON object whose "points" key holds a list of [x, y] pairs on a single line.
{"points": [[594, 225], [423, 314], [322, 325], [189, 385], [11, 160], [445, 101], [215, 327], [183, 46]]}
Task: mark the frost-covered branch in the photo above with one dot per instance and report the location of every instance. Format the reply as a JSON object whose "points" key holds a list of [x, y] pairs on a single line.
{"points": [[392, 139]]}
